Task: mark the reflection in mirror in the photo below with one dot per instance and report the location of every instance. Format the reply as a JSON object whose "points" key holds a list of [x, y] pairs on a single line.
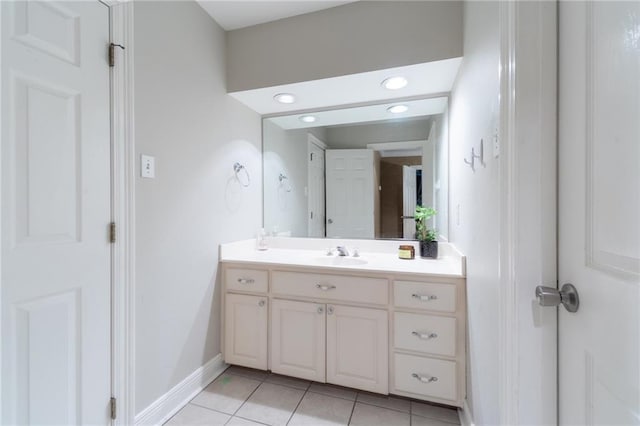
{"points": [[356, 172]]}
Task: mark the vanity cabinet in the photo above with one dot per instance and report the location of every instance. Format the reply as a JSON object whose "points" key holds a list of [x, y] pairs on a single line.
{"points": [[298, 331], [376, 331], [245, 330]]}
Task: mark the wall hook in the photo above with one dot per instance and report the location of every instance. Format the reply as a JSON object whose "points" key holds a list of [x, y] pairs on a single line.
{"points": [[237, 168], [481, 156], [473, 160]]}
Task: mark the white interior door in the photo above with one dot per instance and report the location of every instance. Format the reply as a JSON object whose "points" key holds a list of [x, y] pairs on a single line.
{"points": [[56, 289], [409, 195], [316, 191], [599, 221], [350, 193]]}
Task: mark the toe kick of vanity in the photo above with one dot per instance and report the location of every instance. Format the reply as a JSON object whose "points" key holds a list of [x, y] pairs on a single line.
{"points": [[395, 333]]}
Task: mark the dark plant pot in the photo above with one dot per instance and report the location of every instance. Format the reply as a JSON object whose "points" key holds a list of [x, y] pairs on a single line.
{"points": [[429, 249]]}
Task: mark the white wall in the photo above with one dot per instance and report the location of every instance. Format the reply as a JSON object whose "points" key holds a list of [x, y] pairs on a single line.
{"points": [[349, 39], [359, 135], [441, 184], [475, 200], [196, 132]]}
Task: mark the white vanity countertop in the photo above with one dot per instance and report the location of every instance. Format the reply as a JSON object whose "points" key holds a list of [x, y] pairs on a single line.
{"points": [[379, 255]]}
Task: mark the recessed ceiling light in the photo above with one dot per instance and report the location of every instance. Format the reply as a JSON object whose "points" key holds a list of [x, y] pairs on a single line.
{"points": [[397, 109], [394, 83], [307, 118], [285, 98]]}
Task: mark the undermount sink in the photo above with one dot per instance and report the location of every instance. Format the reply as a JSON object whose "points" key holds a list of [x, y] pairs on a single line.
{"points": [[339, 261]]}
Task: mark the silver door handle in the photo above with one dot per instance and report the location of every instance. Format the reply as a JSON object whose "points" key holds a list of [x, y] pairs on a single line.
{"points": [[567, 296], [407, 217], [325, 287], [329, 221], [246, 280], [424, 379], [424, 298], [424, 336]]}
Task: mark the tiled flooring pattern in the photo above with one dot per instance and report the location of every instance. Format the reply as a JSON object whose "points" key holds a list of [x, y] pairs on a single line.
{"points": [[245, 397]]}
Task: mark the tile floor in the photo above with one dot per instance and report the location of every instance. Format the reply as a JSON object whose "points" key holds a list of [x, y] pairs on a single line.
{"points": [[245, 397]]}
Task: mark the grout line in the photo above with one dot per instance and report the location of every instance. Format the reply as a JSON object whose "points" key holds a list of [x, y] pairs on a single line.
{"points": [[250, 420], [353, 408], [247, 399], [298, 405]]}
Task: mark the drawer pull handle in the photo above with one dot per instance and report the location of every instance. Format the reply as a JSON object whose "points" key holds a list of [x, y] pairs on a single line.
{"points": [[424, 379], [424, 336], [246, 280], [325, 287], [424, 298]]}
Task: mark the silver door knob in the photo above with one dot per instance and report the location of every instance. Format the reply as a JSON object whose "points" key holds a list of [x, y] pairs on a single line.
{"points": [[329, 221], [567, 296]]}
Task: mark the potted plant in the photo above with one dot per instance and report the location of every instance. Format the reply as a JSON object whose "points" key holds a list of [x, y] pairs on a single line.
{"points": [[428, 237]]}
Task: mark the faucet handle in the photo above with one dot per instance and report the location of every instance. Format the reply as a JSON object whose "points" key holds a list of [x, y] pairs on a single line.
{"points": [[330, 251], [356, 252]]}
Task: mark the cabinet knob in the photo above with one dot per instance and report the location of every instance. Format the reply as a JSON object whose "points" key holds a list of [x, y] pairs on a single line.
{"points": [[320, 309], [424, 297], [246, 280], [424, 336], [330, 310], [424, 379], [261, 303], [325, 287]]}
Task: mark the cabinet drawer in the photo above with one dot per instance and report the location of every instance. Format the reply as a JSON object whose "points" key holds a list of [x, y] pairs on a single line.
{"points": [[429, 296], [331, 287], [247, 280], [425, 333], [425, 376]]}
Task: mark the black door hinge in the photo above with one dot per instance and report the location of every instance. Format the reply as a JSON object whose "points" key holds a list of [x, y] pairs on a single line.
{"points": [[113, 408], [112, 232]]}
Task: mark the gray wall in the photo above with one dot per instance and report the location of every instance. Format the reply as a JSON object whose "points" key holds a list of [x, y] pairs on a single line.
{"points": [[196, 132], [475, 198], [354, 38]]}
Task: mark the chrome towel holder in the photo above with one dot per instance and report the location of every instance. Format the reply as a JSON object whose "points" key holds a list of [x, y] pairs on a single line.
{"points": [[237, 168]]}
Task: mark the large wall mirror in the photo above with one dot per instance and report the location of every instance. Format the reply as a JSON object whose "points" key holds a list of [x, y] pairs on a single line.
{"points": [[357, 172]]}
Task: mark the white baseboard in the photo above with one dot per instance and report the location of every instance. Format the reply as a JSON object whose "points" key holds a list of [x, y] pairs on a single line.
{"points": [[171, 402], [465, 415]]}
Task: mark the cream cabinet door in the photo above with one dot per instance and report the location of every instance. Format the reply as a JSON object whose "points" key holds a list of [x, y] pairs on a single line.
{"points": [[246, 330], [298, 339], [357, 348]]}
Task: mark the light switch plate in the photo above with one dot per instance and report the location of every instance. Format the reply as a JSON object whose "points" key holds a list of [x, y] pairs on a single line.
{"points": [[147, 166]]}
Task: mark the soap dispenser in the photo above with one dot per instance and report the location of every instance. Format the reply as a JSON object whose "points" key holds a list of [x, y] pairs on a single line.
{"points": [[261, 240]]}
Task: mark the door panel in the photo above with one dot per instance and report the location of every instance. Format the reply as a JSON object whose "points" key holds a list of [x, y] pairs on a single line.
{"points": [[298, 339], [316, 213], [350, 193], [599, 202], [246, 330], [409, 188], [56, 283], [358, 348]]}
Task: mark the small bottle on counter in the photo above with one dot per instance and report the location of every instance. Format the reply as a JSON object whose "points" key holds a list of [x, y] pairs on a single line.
{"points": [[407, 252], [261, 240]]}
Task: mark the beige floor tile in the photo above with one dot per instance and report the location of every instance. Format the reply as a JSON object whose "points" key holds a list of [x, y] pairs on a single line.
{"points": [[435, 412], [248, 372], [238, 421], [425, 421], [332, 390], [227, 393], [271, 404], [292, 382], [369, 415], [322, 410], [384, 401], [195, 415]]}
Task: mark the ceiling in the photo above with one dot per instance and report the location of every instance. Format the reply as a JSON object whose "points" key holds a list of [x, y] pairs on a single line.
{"points": [[364, 114], [232, 15], [424, 79]]}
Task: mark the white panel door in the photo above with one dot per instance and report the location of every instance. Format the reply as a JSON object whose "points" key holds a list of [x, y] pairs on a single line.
{"points": [[316, 192], [599, 220], [358, 348], [298, 339], [245, 330], [409, 201], [350, 193], [56, 285]]}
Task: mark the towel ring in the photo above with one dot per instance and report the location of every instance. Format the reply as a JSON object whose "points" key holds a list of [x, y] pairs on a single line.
{"points": [[237, 168], [282, 179]]}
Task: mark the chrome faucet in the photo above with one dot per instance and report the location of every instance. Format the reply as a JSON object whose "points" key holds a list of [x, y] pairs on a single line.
{"points": [[342, 251]]}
